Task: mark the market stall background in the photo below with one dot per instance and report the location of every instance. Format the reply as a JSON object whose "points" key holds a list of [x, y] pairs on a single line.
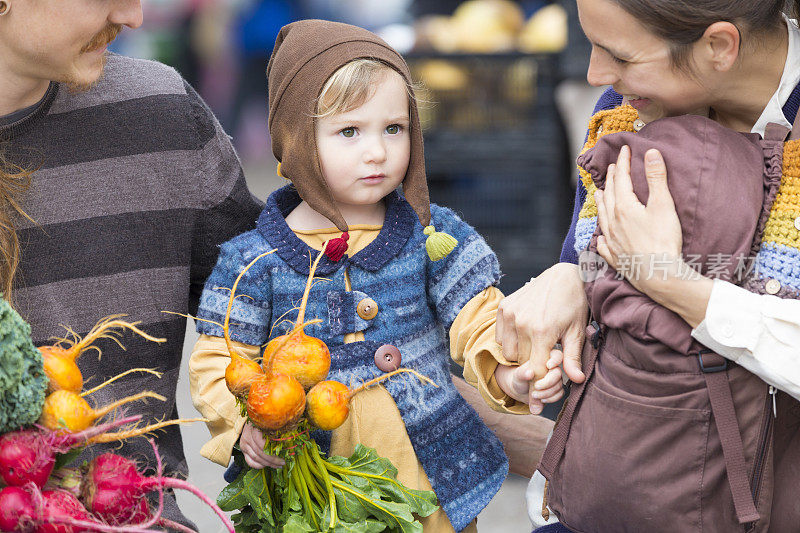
{"points": [[503, 107]]}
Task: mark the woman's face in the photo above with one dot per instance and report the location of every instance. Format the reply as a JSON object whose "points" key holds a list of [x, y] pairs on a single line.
{"points": [[62, 40], [637, 63]]}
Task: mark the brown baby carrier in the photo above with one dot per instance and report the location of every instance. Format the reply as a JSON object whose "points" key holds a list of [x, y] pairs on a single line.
{"points": [[664, 435]]}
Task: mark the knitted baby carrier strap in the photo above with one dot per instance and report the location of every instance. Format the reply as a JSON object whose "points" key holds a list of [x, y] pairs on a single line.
{"points": [[603, 123], [463, 459], [777, 250]]}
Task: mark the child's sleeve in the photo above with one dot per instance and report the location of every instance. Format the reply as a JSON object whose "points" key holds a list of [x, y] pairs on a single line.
{"points": [[251, 311], [211, 397], [462, 290], [467, 271], [473, 346], [249, 328]]}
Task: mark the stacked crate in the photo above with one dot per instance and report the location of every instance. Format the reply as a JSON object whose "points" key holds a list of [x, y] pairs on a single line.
{"points": [[496, 153]]}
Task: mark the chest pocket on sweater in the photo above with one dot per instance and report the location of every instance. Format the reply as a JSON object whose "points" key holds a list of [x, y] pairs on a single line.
{"points": [[349, 312]]}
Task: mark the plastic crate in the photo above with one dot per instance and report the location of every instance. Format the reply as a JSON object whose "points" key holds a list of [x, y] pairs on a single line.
{"points": [[496, 153]]}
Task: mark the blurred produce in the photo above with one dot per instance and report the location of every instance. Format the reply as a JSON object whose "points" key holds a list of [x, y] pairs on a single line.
{"points": [[495, 152], [546, 31], [493, 26]]}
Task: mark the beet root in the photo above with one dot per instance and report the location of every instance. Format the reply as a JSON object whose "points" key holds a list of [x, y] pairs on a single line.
{"points": [[60, 508], [16, 509], [113, 487], [305, 358], [276, 402], [328, 404], [25, 457]]}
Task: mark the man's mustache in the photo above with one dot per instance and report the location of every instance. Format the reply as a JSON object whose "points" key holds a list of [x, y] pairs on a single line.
{"points": [[108, 34]]}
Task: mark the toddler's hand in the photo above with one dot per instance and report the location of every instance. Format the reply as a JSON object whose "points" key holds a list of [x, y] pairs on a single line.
{"points": [[550, 388], [517, 382], [252, 444]]}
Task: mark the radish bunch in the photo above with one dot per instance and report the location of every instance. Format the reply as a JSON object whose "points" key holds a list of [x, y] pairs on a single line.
{"points": [[108, 495], [112, 499]]}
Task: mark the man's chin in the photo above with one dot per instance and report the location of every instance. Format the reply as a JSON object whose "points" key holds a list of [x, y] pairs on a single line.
{"points": [[81, 82]]}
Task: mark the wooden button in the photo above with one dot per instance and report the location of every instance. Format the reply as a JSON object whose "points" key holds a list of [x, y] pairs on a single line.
{"points": [[797, 223], [367, 309], [387, 358], [773, 286]]}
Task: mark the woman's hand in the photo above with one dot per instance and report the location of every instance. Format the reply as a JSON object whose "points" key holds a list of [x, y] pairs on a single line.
{"points": [[551, 309], [252, 444], [636, 236]]}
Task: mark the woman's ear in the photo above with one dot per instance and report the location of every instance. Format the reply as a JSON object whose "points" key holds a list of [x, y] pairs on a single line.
{"points": [[719, 46]]}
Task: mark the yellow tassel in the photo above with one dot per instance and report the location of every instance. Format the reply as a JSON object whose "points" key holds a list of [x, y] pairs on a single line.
{"points": [[438, 244]]}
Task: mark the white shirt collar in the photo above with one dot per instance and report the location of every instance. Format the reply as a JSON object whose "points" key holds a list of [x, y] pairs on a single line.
{"points": [[789, 80]]}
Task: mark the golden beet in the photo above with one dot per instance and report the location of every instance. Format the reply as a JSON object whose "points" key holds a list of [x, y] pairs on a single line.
{"points": [[276, 402], [328, 404], [60, 367], [59, 359], [305, 358], [66, 410], [240, 374]]}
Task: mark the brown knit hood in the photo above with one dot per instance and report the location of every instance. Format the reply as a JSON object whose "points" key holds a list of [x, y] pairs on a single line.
{"points": [[306, 54]]}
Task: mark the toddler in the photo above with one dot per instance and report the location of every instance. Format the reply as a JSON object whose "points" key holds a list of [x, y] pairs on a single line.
{"points": [[345, 129]]}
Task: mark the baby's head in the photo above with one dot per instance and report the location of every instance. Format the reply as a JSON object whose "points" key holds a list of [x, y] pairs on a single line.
{"points": [[715, 176], [362, 131], [340, 108]]}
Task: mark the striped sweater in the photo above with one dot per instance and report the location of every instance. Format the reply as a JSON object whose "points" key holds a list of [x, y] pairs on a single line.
{"points": [[417, 302], [137, 185]]}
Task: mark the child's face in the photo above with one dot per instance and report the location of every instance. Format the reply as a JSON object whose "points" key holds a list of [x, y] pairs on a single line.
{"points": [[364, 152]]}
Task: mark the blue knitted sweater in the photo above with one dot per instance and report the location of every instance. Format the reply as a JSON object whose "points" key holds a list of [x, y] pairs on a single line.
{"points": [[418, 300]]}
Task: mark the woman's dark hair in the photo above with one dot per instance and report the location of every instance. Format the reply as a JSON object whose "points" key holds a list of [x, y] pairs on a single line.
{"points": [[683, 22]]}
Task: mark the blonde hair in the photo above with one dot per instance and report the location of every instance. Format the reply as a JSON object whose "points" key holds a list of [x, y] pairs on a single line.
{"points": [[14, 181], [352, 85]]}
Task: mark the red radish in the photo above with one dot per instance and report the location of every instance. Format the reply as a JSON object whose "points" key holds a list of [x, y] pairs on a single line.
{"points": [[113, 485], [17, 509], [28, 455], [59, 359], [59, 510]]}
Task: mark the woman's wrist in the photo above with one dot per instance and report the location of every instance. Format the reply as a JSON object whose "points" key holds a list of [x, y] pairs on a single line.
{"points": [[678, 287]]}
